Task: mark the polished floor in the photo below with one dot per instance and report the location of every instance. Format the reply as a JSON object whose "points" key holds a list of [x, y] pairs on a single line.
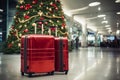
{"points": [[84, 64]]}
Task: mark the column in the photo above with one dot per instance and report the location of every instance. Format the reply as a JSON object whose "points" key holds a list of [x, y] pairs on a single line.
{"points": [[84, 34], [96, 38]]}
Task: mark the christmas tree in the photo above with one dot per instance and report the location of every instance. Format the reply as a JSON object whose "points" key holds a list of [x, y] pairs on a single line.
{"points": [[35, 17]]}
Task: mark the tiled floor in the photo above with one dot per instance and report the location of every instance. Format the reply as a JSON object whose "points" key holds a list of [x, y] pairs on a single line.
{"points": [[84, 64]]}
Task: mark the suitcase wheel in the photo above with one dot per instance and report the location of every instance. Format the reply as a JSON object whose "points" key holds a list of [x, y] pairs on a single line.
{"points": [[51, 73], [29, 74], [22, 73], [66, 72]]}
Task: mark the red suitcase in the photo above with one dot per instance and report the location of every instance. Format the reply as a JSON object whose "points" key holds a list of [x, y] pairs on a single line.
{"points": [[61, 55], [37, 54]]}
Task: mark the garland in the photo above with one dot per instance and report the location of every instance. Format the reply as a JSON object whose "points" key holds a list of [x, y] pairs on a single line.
{"points": [[39, 14]]}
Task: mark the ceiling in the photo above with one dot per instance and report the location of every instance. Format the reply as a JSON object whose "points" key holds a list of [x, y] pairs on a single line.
{"points": [[108, 7]]}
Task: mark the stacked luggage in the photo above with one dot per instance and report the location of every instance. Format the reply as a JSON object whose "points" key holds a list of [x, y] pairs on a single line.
{"points": [[43, 54]]}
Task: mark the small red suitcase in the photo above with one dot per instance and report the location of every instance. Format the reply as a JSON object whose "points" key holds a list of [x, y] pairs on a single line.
{"points": [[37, 54], [61, 55]]}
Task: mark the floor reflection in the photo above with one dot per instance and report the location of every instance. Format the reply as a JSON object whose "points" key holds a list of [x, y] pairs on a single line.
{"points": [[84, 64]]}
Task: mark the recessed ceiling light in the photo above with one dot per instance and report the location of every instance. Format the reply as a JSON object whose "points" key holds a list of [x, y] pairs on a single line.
{"points": [[104, 22], [107, 26], [94, 4], [118, 13], [117, 1], [102, 15]]}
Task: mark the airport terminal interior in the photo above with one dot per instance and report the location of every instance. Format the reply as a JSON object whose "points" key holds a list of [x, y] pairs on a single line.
{"points": [[91, 28]]}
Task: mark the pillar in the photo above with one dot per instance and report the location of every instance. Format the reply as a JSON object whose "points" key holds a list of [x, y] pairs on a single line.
{"points": [[96, 39], [84, 34]]}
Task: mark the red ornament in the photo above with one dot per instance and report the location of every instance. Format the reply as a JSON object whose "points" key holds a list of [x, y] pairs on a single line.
{"points": [[46, 23], [26, 17], [9, 45], [63, 25], [41, 18], [52, 29], [34, 1], [21, 7], [63, 17], [26, 30], [39, 26], [27, 6], [56, 8], [39, 23]]}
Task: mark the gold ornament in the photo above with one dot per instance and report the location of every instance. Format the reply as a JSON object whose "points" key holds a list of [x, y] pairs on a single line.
{"points": [[20, 34], [40, 13], [51, 3], [25, 26], [14, 17], [20, 26], [58, 21], [28, 12], [19, 44], [47, 8], [34, 24], [21, 1], [50, 9], [53, 15], [24, 14], [17, 6]]}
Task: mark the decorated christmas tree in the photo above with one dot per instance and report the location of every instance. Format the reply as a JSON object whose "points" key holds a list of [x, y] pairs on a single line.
{"points": [[35, 17]]}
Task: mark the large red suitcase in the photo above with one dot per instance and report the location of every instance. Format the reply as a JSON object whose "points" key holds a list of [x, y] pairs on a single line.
{"points": [[61, 55], [37, 54]]}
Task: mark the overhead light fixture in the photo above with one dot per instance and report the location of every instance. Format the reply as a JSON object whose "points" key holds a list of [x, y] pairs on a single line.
{"points": [[117, 1], [118, 32], [99, 8], [107, 26], [104, 22], [94, 4], [1, 10], [118, 13], [102, 15]]}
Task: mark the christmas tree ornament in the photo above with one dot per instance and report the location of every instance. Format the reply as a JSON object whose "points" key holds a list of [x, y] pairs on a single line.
{"points": [[17, 6], [20, 26], [58, 21], [33, 24], [51, 3], [50, 9], [26, 17], [40, 13], [25, 25], [56, 8], [20, 35], [41, 18], [26, 30], [21, 1], [41, 4], [19, 44], [22, 7], [46, 23], [9, 45], [39, 23], [14, 17], [47, 8]]}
